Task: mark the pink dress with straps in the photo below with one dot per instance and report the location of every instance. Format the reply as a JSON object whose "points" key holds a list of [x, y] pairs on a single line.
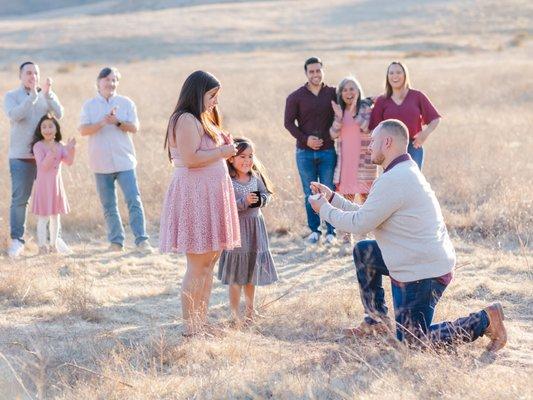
{"points": [[199, 211]]}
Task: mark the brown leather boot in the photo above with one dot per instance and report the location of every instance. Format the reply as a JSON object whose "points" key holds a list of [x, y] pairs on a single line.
{"points": [[365, 329], [496, 330]]}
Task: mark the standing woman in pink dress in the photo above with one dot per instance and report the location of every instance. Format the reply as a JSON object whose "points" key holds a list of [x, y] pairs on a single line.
{"points": [[349, 130], [410, 106], [49, 198], [199, 216]]}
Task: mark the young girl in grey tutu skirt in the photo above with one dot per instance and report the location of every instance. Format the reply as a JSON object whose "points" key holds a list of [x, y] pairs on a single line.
{"points": [[250, 265]]}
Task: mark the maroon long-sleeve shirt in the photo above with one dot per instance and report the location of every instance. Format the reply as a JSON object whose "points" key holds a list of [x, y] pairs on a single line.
{"points": [[313, 115]]}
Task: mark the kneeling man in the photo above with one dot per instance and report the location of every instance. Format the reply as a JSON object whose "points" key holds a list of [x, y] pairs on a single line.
{"points": [[412, 246]]}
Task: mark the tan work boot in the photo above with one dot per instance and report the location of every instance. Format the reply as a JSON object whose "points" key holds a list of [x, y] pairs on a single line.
{"points": [[496, 330], [365, 329], [115, 247]]}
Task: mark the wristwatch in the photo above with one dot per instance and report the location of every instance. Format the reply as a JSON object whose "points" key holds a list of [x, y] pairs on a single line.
{"points": [[118, 123]]}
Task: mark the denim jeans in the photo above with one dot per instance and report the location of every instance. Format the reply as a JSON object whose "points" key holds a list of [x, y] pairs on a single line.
{"points": [[127, 180], [319, 166], [23, 175], [416, 154], [414, 303]]}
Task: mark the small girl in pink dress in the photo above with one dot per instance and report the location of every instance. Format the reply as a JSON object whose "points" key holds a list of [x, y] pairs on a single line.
{"points": [[49, 198]]}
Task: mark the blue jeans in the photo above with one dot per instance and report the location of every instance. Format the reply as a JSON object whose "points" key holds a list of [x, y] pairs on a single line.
{"points": [[319, 166], [22, 177], [416, 154], [127, 180], [414, 302]]}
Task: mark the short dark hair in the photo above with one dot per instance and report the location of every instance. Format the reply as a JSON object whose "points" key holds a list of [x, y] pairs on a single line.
{"points": [[312, 60], [396, 128], [105, 72], [24, 64]]}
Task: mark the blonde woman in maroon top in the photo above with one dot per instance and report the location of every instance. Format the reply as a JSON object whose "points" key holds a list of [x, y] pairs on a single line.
{"points": [[410, 106]]}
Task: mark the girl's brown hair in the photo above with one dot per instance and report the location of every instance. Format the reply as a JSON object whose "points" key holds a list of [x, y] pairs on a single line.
{"points": [[406, 82], [257, 169], [38, 136]]}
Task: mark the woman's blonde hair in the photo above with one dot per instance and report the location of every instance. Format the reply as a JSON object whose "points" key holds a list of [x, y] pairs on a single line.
{"points": [[406, 82]]}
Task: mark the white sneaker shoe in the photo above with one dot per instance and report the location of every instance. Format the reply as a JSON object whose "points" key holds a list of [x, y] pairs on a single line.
{"points": [[62, 247], [15, 249], [330, 239], [145, 247], [313, 238], [347, 238]]}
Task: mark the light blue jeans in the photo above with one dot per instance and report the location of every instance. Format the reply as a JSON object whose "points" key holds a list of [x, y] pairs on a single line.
{"points": [[23, 175], [127, 180]]}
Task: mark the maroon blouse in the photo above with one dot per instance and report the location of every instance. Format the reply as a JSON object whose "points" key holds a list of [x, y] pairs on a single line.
{"points": [[416, 110]]}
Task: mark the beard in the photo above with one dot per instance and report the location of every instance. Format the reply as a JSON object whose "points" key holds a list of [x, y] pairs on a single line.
{"points": [[378, 159]]}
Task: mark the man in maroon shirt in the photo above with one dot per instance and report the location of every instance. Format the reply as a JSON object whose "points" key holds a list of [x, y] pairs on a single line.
{"points": [[308, 117]]}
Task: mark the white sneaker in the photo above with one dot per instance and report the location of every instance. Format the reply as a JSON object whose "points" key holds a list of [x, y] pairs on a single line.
{"points": [[330, 239], [15, 249], [313, 238], [145, 247], [62, 247]]}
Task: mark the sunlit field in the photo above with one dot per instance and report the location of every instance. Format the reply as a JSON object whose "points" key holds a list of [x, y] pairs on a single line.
{"points": [[100, 326]]}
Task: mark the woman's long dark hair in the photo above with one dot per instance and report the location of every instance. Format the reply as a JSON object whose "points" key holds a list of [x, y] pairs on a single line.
{"points": [[191, 100], [38, 136], [257, 169]]}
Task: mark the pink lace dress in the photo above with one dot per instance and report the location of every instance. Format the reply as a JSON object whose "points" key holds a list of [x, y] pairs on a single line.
{"points": [[199, 211]]}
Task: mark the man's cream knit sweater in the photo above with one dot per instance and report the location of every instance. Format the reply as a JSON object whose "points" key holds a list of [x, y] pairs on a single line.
{"points": [[407, 221]]}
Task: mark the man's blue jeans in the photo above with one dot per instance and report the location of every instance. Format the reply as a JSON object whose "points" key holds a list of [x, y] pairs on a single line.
{"points": [[416, 154], [414, 302], [319, 166], [127, 180], [23, 175]]}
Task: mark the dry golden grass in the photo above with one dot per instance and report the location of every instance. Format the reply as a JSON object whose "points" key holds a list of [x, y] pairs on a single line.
{"points": [[134, 350], [101, 326]]}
